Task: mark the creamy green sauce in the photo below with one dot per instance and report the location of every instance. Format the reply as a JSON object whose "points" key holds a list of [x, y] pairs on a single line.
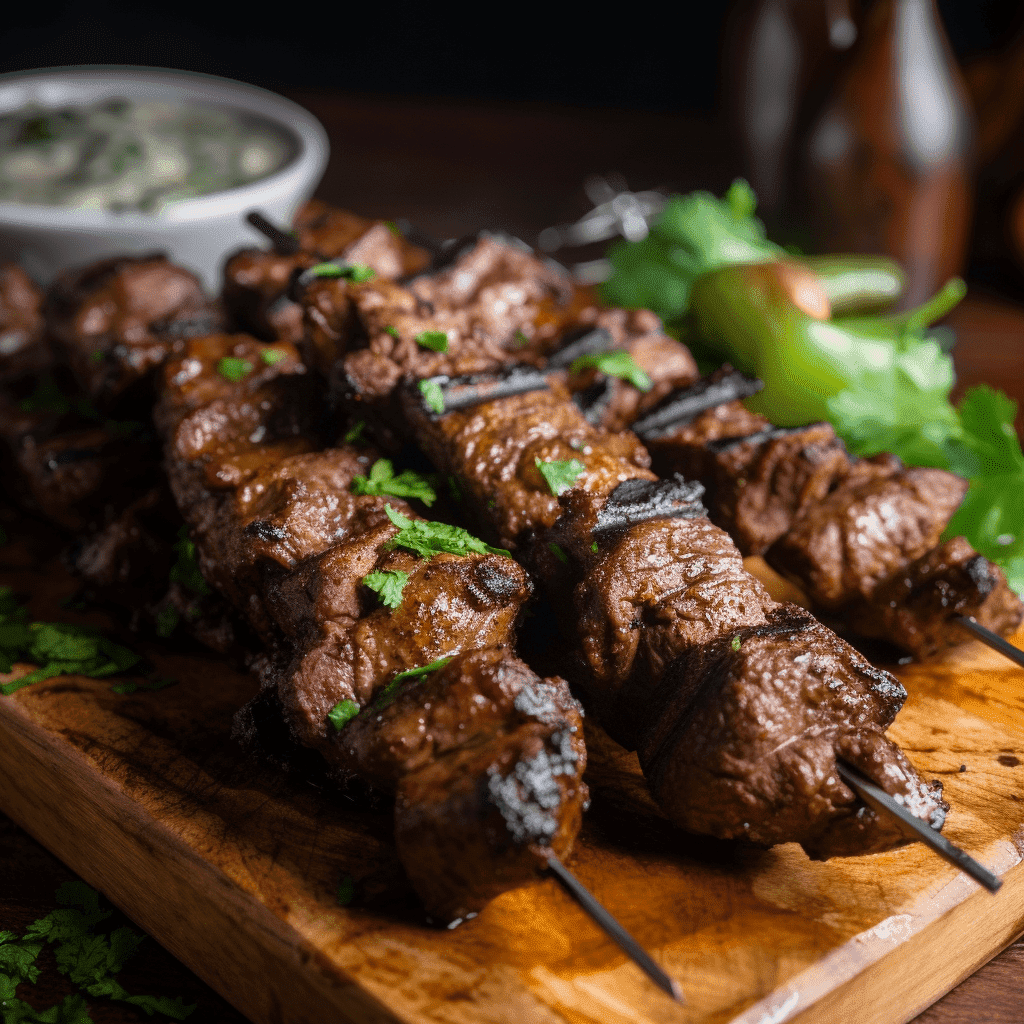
{"points": [[128, 155]]}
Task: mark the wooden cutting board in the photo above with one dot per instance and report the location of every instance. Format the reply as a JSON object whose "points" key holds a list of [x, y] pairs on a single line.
{"points": [[236, 870]]}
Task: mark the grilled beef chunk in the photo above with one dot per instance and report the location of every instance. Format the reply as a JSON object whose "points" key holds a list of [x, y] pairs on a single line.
{"points": [[876, 522], [745, 732], [494, 450], [116, 321], [257, 281], [487, 761], [22, 350], [916, 607]]}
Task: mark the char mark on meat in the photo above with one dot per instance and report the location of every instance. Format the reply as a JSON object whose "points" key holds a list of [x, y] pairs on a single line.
{"points": [[636, 501], [680, 407]]}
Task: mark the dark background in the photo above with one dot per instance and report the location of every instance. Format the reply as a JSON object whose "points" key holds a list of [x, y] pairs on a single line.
{"points": [[628, 58]]}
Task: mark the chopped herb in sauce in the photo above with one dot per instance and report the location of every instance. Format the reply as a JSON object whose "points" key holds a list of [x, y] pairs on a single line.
{"points": [[427, 539], [407, 484], [560, 475], [234, 369], [615, 364], [388, 586], [436, 341]]}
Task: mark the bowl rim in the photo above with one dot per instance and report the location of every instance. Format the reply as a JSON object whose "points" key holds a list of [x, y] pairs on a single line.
{"points": [[99, 80]]}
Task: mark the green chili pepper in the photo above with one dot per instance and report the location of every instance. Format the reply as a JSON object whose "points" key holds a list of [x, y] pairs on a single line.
{"points": [[857, 284]]}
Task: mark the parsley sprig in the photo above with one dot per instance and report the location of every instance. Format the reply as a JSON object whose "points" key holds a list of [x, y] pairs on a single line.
{"points": [[407, 484], [388, 585], [354, 272], [85, 955], [560, 474], [58, 648], [233, 368], [617, 363], [427, 539], [436, 341], [433, 396]]}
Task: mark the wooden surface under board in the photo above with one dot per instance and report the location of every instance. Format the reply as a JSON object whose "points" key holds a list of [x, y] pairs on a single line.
{"points": [[235, 870]]}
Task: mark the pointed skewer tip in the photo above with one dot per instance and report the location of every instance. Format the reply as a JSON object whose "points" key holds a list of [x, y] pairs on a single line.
{"points": [[994, 640]]}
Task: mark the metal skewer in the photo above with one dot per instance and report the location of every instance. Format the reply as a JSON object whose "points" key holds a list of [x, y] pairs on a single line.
{"points": [[285, 243], [614, 930], [914, 828], [994, 640]]}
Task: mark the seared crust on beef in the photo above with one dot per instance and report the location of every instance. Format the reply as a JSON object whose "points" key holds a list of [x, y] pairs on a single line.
{"points": [[22, 349], [745, 732]]}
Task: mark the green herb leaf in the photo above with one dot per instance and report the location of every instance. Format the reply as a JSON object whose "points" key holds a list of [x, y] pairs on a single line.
{"points": [[186, 568], [388, 694], [357, 273], [46, 397], [617, 363], [427, 539], [342, 713], [272, 356], [354, 432], [432, 395], [167, 620], [593, 547], [735, 643], [521, 340], [393, 331], [557, 551], [234, 369], [407, 484], [560, 474], [436, 341], [388, 585], [96, 356]]}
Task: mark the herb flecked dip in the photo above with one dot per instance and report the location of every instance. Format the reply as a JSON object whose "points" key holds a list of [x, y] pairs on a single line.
{"points": [[127, 155]]}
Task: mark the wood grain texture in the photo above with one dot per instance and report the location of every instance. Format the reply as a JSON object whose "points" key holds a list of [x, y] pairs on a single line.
{"points": [[235, 870]]}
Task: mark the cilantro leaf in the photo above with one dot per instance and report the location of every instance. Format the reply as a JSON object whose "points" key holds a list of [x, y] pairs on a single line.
{"points": [[436, 341], [432, 395], [390, 692], [342, 713], [617, 363], [167, 620], [388, 585], [357, 273], [557, 551], [233, 368], [272, 356], [427, 539], [393, 331], [354, 432], [186, 568], [560, 474], [382, 480]]}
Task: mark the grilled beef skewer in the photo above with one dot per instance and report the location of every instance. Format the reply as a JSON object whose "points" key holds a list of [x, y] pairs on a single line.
{"points": [[860, 536], [484, 757]]}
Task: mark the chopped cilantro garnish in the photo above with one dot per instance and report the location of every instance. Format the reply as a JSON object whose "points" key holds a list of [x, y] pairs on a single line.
{"points": [[46, 397], [186, 569], [234, 369], [167, 620], [735, 643], [617, 363], [436, 341], [560, 474], [342, 713], [354, 272], [388, 694], [88, 957], [58, 648], [558, 552], [521, 340], [427, 539], [593, 547], [432, 395], [393, 331], [354, 432], [272, 356], [382, 480], [96, 356], [392, 227], [346, 891], [388, 586]]}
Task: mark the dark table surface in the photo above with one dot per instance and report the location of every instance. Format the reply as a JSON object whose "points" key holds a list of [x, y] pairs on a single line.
{"points": [[452, 168]]}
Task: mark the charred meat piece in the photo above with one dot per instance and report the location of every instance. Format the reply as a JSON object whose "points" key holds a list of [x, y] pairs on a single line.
{"points": [[494, 450], [916, 607], [745, 733], [257, 281], [22, 349], [871, 526], [116, 321], [487, 762]]}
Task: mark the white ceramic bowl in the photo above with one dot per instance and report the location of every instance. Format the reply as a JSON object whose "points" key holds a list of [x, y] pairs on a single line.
{"points": [[195, 233]]}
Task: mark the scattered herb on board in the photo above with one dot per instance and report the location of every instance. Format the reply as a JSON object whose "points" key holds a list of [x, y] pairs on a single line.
{"points": [[388, 585], [427, 539], [407, 484], [432, 395], [354, 272], [233, 368], [615, 364], [58, 648], [560, 474], [342, 713], [88, 956], [436, 341], [186, 567]]}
